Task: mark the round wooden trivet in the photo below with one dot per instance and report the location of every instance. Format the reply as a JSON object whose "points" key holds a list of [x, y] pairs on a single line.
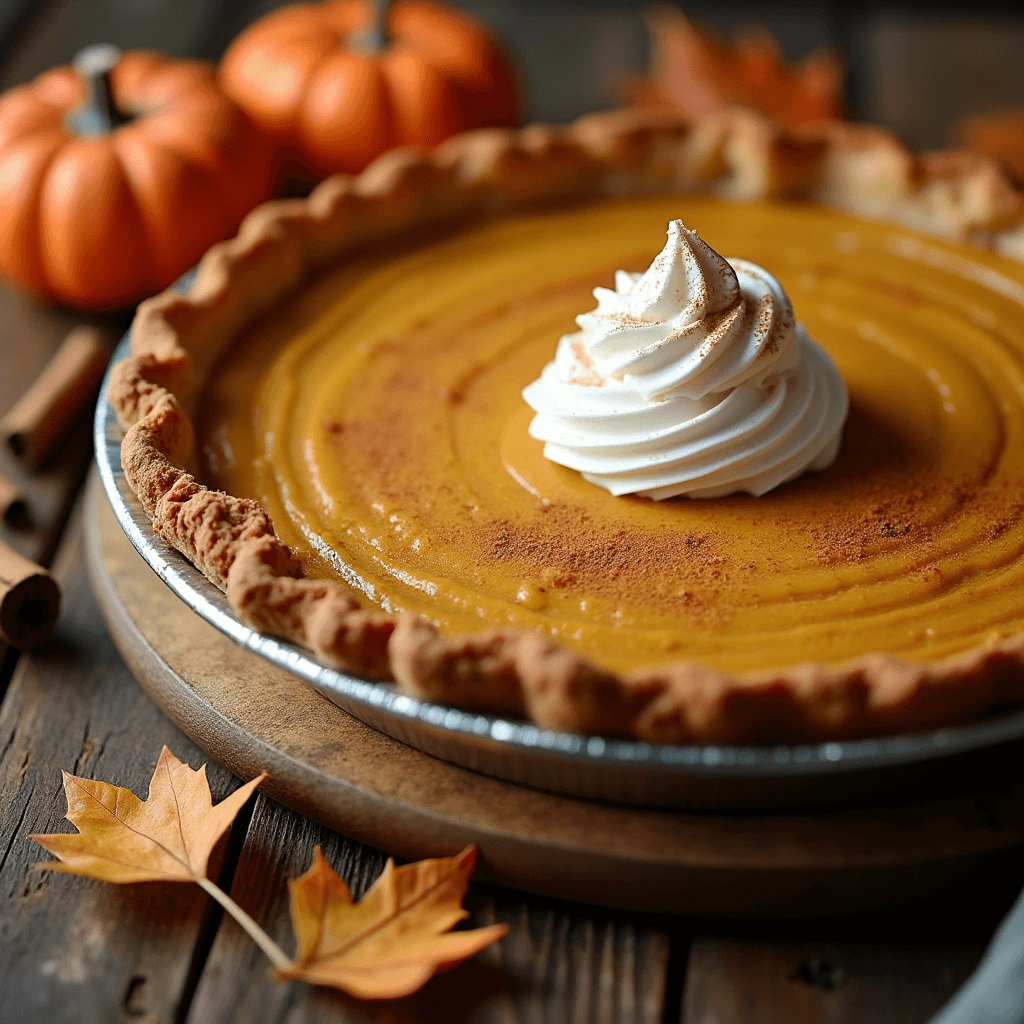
{"points": [[251, 715]]}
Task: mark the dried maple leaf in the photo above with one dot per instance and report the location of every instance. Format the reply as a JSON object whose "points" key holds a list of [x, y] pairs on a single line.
{"points": [[383, 947], [168, 837], [695, 74], [389, 943]]}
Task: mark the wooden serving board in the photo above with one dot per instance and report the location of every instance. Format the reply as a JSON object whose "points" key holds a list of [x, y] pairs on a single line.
{"points": [[252, 715]]}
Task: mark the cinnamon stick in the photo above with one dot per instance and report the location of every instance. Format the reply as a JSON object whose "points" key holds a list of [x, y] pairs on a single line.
{"points": [[29, 600], [37, 422], [12, 502]]}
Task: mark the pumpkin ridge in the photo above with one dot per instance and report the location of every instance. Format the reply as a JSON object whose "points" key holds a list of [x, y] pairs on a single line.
{"points": [[416, 86], [25, 239], [22, 115], [240, 74], [138, 206], [62, 211], [326, 130], [183, 146], [147, 83], [344, 18], [189, 248], [150, 230]]}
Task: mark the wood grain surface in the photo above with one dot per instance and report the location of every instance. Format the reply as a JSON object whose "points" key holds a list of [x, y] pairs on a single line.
{"points": [[558, 962], [734, 982]]}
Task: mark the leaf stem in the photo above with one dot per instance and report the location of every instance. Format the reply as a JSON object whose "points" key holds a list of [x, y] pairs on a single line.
{"points": [[275, 954]]}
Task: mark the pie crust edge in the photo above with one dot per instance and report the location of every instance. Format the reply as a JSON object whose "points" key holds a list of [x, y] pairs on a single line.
{"points": [[735, 154]]}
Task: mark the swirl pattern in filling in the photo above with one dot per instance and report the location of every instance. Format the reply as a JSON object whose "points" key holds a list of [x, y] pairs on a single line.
{"points": [[377, 417]]}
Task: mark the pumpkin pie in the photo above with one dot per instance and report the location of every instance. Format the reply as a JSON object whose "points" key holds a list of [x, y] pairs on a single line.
{"points": [[367, 484]]}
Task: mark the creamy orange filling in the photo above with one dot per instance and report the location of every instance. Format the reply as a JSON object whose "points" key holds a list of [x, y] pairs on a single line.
{"points": [[378, 418]]}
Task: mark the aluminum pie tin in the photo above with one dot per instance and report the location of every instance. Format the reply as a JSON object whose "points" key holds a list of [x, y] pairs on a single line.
{"points": [[619, 771]]}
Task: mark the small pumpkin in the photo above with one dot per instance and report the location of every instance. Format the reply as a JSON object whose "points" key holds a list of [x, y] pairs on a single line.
{"points": [[116, 175], [344, 80]]}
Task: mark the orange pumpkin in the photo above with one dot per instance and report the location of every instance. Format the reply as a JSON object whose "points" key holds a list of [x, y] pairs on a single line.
{"points": [[115, 179], [341, 87]]}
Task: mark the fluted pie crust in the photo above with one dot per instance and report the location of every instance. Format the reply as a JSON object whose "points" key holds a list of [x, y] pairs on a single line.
{"points": [[176, 339]]}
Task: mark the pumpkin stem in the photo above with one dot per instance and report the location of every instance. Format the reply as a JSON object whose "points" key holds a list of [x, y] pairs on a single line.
{"points": [[374, 37], [98, 115]]}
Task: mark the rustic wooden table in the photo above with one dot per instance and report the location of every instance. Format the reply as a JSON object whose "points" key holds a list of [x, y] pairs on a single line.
{"points": [[77, 950]]}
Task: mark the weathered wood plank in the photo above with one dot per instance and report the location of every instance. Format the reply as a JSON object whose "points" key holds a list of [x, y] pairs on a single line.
{"points": [[570, 963], [558, 963], [892, 967], [738, 982], [75, 950]]}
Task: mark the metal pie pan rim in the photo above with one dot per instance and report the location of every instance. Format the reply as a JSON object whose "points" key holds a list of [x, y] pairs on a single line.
{"points": [[781, 761]]}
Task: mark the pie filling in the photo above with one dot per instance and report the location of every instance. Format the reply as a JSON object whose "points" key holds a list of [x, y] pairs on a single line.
{"points": [[379, 419]]}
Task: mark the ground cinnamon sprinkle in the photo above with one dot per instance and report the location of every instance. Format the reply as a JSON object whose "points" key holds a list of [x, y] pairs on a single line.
{"points": [[585, 375], [852, 537], [763, 317], [578, 551], [1004, 519], [915, 518]]}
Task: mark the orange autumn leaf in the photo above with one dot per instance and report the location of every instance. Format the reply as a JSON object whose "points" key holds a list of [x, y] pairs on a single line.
{"points": [[389, 943], [384, 947], [694, 74], [168, 837]]}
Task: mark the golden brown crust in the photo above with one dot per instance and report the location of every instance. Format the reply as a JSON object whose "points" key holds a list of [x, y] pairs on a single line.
{"points": [[964, 195], [629, 139], [740, 154], [264, 587], [737, 154], [519, 672], [864, 170]]}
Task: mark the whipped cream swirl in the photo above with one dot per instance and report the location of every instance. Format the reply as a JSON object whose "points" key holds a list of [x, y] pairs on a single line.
{"points": [[690, 379]]}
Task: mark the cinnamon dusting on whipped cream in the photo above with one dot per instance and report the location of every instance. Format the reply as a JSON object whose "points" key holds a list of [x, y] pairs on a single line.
{"points": [[692, 378]]}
